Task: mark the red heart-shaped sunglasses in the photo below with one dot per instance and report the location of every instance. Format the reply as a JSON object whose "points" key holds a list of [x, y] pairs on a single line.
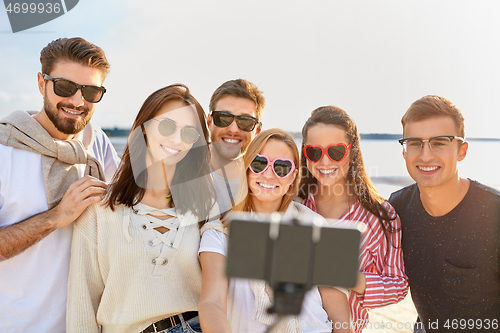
{"points": [[336, 152]]}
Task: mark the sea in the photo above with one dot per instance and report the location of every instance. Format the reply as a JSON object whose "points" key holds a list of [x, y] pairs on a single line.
{"points": [[386, 167]]}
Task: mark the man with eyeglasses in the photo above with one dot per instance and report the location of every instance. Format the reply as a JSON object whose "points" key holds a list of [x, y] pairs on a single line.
{"points": [[451, 225], [234, 120], [53, 165]]}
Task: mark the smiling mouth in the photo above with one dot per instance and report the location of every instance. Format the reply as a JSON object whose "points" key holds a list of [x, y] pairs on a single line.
{"points": [[74, 113], [170, 151], [428, 168], [267, 186], [327, 172], [231, 141]]}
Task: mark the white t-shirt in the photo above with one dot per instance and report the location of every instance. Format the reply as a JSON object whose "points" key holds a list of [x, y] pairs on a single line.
{"points": [[240, 297], [33, 284]]}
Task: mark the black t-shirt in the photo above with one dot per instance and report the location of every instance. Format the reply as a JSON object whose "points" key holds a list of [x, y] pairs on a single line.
{"points": [[453, 261]]}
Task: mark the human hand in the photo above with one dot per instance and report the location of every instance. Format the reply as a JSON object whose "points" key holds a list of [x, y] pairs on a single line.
{"points": [[78, 197]]}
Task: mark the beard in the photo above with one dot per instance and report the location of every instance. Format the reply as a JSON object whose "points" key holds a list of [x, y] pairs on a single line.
{"points": [[64, 124], [224, 153]]}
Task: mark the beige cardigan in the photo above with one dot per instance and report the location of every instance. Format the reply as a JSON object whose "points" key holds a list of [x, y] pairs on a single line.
{"points": [[114, 281]]}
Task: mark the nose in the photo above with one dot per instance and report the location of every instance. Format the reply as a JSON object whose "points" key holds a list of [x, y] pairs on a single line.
{"points": [[77, 98], [175, 138], [324, 160], [233, 127], [426, 152], [268, 173]]}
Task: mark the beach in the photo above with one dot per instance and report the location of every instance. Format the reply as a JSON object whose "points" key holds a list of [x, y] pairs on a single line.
{"points": [[397, 318]]}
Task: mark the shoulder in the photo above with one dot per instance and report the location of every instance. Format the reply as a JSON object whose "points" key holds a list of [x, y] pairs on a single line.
{"points": [[15, 161], [390, 209], [403, 197], [213, 225], [482, 197], [6, 154], [303, 211], [485, 190], [100, 212], [8, 151]]}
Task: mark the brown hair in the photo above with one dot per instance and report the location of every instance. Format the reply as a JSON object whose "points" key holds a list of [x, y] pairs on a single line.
{"points": [[255, 148], [357, 178], [434, 106], [74, 49], [240, 88], [128, 189]]}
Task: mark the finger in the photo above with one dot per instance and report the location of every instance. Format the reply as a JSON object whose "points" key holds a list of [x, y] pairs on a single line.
{"points": [[88, 183], [90, 200], [75, 197], [82, 180], [88, 192], [95, 182], [79, 206]]}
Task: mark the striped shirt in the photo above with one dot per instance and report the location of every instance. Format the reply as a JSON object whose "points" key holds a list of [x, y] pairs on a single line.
{"points": [[386, 280]]}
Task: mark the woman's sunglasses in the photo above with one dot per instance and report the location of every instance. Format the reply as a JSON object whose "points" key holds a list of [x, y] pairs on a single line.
{"points": [[67, 88], [336, 152], [224, 119], [167, 127], [282, 167]]}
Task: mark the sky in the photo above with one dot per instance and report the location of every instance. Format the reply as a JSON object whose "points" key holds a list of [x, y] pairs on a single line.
{"points": [[371, 58]]}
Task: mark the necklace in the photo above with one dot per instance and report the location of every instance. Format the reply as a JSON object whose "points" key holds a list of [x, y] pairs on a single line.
{"points": [[169, 196]]}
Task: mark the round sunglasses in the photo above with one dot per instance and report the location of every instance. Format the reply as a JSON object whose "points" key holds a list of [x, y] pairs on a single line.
{"points": [[167, 127], [282, 167], [224, 119], [336, 152], [67, 88]]}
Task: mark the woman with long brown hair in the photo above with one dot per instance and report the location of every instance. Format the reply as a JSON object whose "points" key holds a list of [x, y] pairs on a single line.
{"points": [[334, 183], [134, 265], [240, 305]]}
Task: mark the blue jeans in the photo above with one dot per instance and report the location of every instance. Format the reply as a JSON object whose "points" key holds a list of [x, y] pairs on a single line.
{"points": [[190, 326]]}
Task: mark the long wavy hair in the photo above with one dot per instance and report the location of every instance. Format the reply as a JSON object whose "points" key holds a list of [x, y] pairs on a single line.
{"points": [[357, 179], [128, 188], [255, 147]]}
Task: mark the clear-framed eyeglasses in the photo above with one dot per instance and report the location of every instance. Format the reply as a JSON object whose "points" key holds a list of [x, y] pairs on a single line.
{"points": [[438, 144]]}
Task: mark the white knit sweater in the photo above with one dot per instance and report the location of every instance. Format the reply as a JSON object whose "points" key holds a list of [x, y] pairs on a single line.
{"points": [[114, 281]]}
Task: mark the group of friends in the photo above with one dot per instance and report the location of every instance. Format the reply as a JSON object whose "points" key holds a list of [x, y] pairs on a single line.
{"points": [[90, 242]]}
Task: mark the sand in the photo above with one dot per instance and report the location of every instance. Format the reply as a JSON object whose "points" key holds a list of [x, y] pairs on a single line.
{"points": [[393, 318]]}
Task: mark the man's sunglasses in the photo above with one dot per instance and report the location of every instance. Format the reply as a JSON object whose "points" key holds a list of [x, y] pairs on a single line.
{"points": [[282, 167], [67, 88], [336, 152], [167, 127], [224, 119]]}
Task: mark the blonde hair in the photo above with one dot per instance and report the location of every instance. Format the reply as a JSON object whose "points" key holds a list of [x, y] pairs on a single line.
{"points": [[245, 203]]}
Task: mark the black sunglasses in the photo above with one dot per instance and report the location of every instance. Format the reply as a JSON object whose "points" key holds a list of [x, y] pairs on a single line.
{"points": [[224, 119], [67, 88], [167, 127]]}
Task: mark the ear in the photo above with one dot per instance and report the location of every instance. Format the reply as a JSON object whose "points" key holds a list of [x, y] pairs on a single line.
{"points": [[403, 152], [209, 121], [258, 129], [41, 83], [462, 152]]}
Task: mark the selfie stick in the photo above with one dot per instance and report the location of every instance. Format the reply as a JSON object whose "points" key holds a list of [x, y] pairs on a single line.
{"points": [[291, 256], [288, 296]]}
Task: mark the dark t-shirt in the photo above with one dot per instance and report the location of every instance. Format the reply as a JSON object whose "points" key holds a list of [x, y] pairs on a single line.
{"points": [[453, 261]]}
